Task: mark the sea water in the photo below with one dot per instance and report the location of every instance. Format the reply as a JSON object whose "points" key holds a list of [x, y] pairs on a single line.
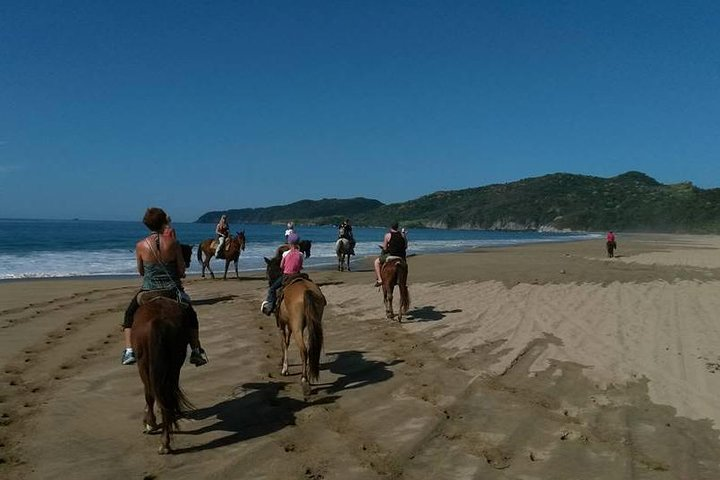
{"points": [[71, 248]]}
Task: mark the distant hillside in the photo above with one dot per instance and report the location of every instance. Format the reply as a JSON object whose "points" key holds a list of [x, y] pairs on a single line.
{"points": [[325, 211], [632, 201]]}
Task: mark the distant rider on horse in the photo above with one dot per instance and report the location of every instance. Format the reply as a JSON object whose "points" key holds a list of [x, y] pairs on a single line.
{"points": [[395, 245], [345, 231], [290, 231], [160, 263], [222, 232], [291, 264]]}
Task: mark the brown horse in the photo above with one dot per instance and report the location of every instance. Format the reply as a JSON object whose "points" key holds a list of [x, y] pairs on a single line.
{"points": [[231, 252], [301, 306], [394, 272], [304, 246], [611, 247], [342, 250], [160, 338]]}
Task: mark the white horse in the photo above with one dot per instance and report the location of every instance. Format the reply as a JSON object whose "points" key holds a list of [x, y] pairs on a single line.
{"points": [[342, 250]]}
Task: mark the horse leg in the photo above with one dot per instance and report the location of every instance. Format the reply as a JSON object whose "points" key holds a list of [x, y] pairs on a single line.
{"points": [[300, 342], [149, 421], [284, 343], [207, 264], [237, 274], [165, 440], [347, 259], [388, 297]]}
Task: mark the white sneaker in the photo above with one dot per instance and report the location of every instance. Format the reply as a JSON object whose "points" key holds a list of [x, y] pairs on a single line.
{"points": [[265, 307]]}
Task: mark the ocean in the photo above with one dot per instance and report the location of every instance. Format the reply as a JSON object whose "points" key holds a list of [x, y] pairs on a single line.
{"points": [[72, 248]]}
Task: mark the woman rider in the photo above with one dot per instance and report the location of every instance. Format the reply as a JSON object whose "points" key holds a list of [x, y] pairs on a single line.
{"points": [[160, 263], [222, 231], [394, 244]]}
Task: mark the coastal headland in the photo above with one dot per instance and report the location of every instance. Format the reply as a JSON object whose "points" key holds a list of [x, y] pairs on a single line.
{"points": [[544, 361]]}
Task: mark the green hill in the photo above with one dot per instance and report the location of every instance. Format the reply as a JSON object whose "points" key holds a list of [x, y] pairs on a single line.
{"points": [[325, 211], [632, 201]]}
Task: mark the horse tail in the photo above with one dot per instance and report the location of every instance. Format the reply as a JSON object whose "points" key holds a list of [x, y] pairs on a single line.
{"points": [[199, 253], [168, 344], [314, 306], [402, 274]]}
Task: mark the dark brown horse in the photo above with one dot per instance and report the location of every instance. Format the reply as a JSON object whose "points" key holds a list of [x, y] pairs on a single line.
{"points": [[231, 252], [301, 306], [611, 247], [160, 338], [186, 253], [304, 246], [395, 272]]}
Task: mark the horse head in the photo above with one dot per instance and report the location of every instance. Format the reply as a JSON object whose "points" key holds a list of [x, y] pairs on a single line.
{"points": [[305, 246], [186, 253], [272, 268], [241, 239]]}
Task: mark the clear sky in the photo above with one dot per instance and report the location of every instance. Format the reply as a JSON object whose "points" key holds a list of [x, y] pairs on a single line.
{"points": [[107, 107]]}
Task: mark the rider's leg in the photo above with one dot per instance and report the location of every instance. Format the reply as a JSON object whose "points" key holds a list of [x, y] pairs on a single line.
{"points": [[221, 243], [197, 354], [269, 304], [128, 355], [378, 280]]}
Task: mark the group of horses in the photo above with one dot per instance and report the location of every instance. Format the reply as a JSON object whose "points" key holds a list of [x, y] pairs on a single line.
{"points": [[160, 336]]}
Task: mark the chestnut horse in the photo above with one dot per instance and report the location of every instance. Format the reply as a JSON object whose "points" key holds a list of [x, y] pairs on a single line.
{"points": [[231, 252], [395, 272], [301, 306], [342, 250], [160, 338]]}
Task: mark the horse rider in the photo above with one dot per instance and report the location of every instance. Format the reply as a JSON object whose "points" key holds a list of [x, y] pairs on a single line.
{"points": [[610, 239], [345, 231], [290, 231], [395, 245], [222, 232], [161, 265], [291, 264]]}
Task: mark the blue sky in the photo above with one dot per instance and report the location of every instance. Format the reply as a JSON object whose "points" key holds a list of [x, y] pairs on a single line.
{"points": [[109, 107]]}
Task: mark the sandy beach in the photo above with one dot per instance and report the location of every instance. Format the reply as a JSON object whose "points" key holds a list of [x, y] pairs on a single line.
{"points": [[545, 361]]}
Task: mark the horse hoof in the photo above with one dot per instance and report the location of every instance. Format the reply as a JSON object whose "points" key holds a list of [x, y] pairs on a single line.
{"points": [[305, 387], [151, 429], [285, 373], [163, 450]]}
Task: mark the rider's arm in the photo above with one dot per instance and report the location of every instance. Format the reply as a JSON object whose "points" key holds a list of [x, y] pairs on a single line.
{"points": [[138, 259], [386, 240]]}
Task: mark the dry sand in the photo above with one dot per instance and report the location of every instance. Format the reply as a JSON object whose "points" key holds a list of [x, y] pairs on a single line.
{"points": [[535, 362]]}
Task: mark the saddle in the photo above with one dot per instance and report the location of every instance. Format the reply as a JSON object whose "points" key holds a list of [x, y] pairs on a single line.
{"points": [[294, 279], [176, 295], [393, 258], [148, 296]]}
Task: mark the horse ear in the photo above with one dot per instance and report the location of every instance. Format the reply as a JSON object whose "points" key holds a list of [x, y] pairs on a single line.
{"points": [[267, 260]]}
